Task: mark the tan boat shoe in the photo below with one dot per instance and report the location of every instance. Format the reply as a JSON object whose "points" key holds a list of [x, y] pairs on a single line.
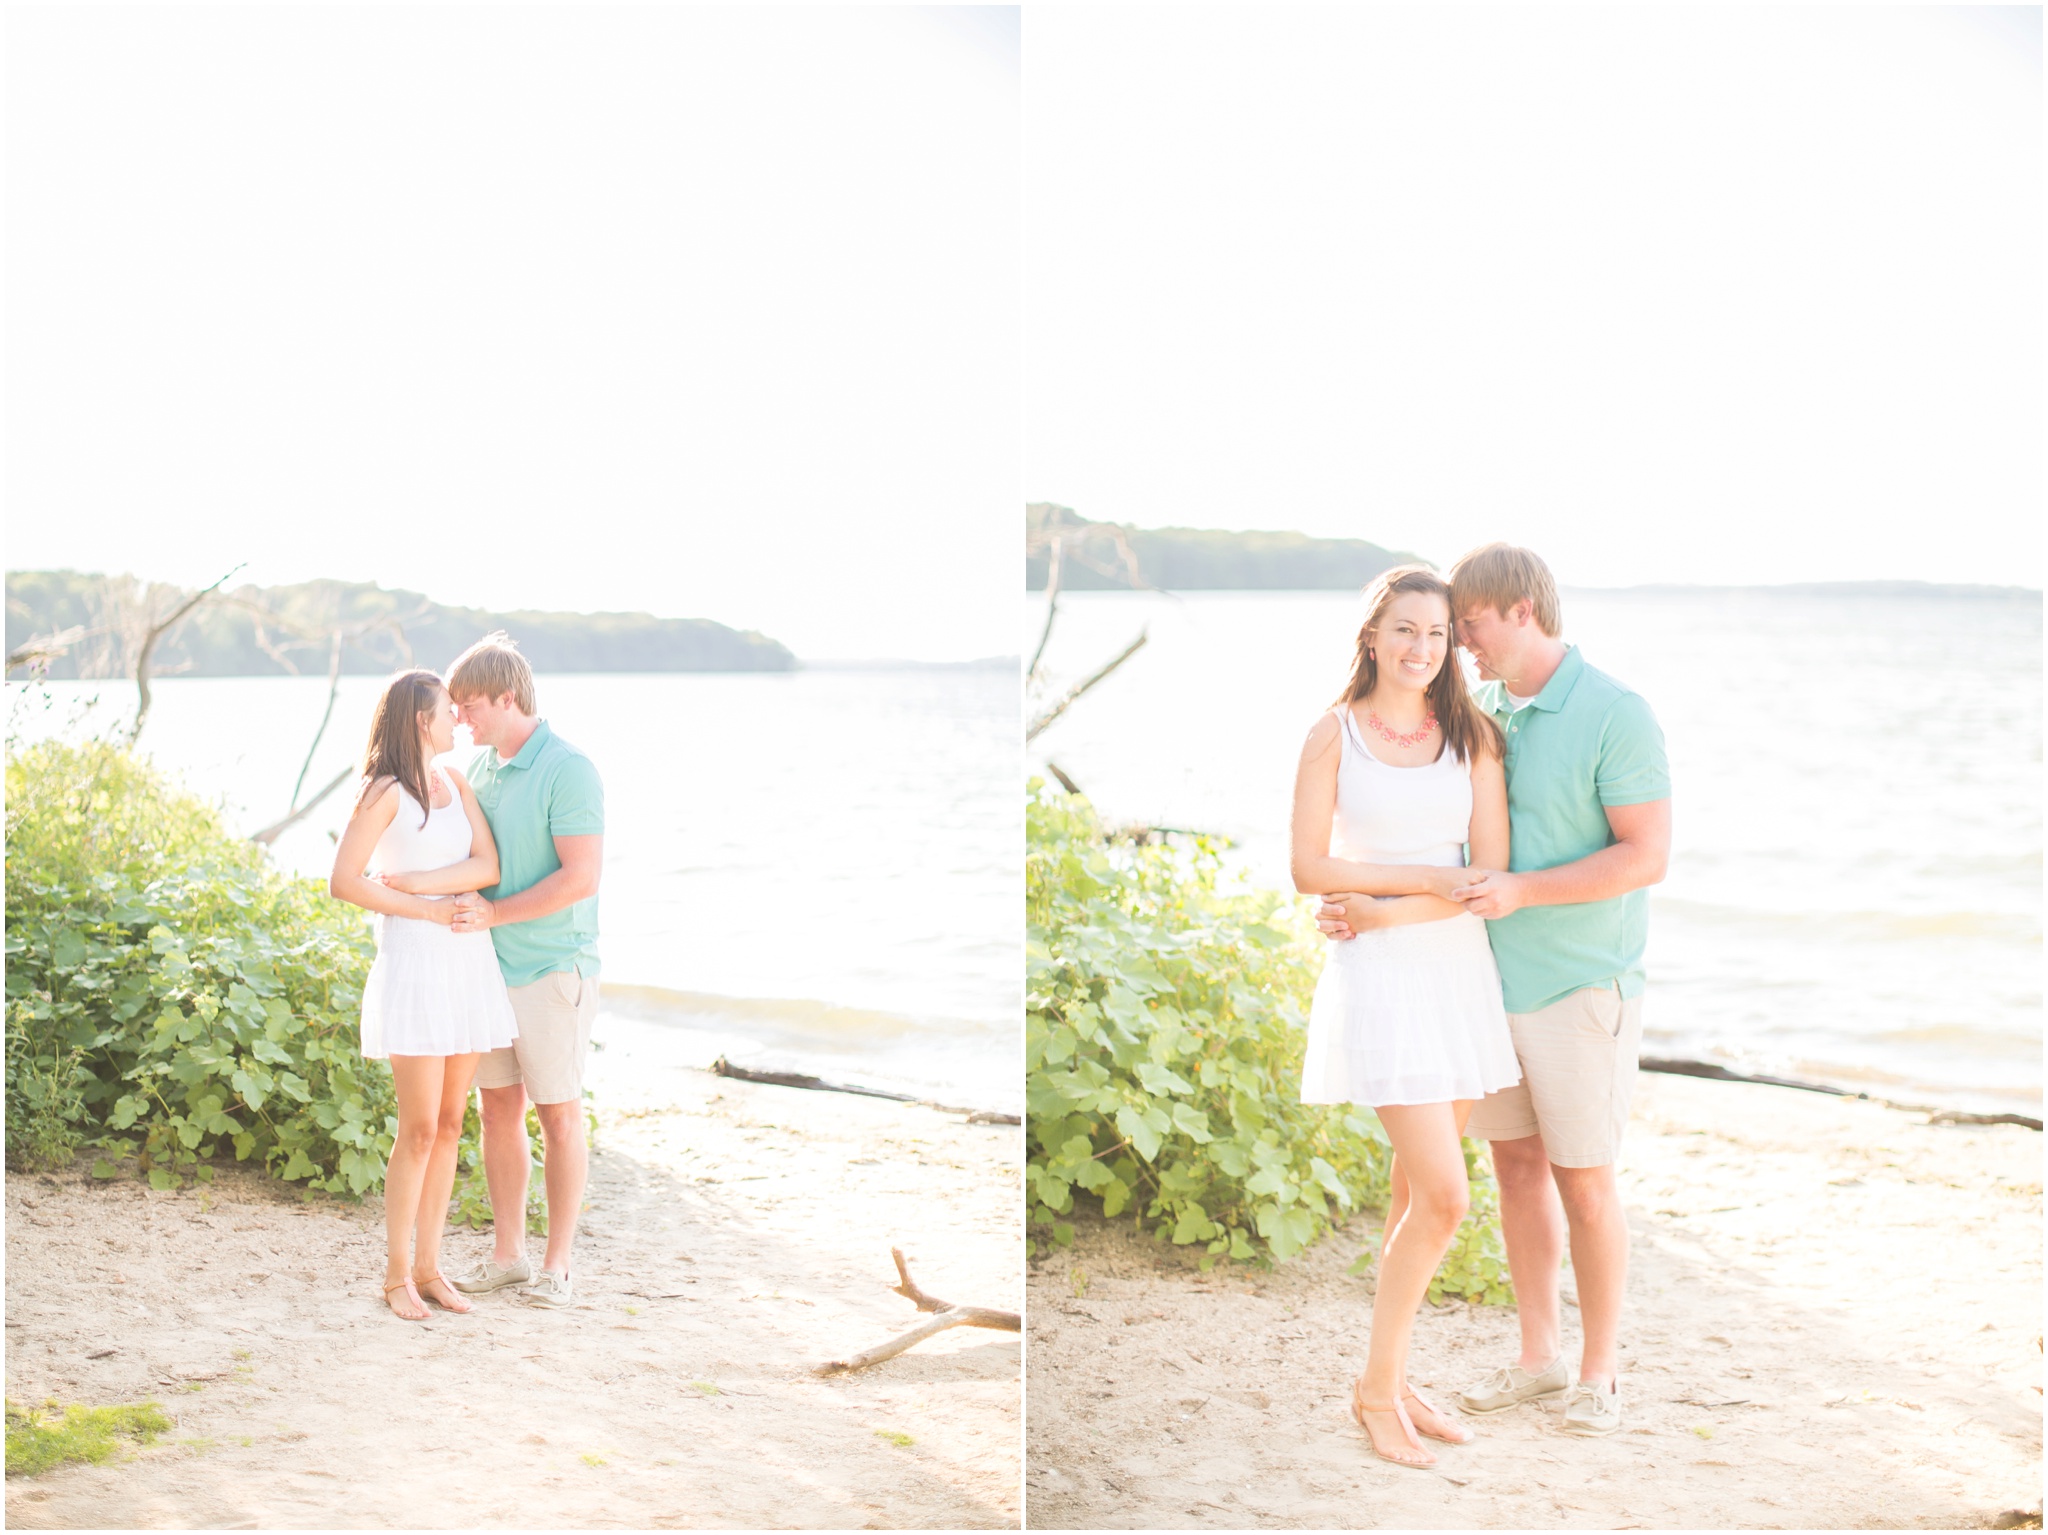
{"points": [[1590, 1411], [1513, 1386]]}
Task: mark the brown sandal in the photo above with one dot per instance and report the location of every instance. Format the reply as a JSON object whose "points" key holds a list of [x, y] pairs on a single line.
{"points": [[404, 1284], [1393, 1409], [1408, 1392], [429, 1300]]}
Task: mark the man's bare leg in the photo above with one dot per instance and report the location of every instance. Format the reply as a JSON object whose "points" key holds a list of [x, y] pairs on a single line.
{"points": [[508, 1161], [1599, 1237], [567, 1163], [1532, 1224]]}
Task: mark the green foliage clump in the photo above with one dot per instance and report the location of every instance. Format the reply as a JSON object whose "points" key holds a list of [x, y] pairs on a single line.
{"points": [[1165, 1020], [41, 1437], [170, 996], [470, 1204]]}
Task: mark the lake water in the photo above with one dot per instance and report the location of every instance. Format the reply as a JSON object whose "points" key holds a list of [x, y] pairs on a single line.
{"points": [[816, 870], [1855, 886]]}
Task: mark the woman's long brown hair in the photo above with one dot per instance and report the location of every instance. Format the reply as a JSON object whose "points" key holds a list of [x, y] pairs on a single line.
{"points": [[394, 750], [1465, 725]]}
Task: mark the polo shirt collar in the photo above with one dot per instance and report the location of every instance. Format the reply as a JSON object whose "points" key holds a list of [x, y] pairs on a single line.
{"points": [[1561, 682], [531, 750]]}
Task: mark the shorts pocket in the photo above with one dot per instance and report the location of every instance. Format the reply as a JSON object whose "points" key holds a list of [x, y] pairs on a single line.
{"points": [[1601, 1009]]}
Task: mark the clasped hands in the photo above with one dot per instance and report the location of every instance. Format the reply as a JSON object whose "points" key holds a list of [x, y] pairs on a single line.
{"points": [[469, 912], [1490, 893]]}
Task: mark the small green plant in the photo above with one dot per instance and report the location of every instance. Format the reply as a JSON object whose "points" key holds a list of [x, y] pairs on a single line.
{"points": [[471, 1203], [194, 1385], [706, 1387], [1079, 1281], [901, 1441], [198, 1445], [632, 1311], [41, 1437], [591, 1458]]}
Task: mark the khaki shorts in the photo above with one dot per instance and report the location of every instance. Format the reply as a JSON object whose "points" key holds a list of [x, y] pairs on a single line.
{"points": [[1578, 1060], [554, 1016]]}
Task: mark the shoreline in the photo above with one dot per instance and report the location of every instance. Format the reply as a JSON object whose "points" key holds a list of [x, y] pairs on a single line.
{"points": [[736, 1236], [1833, 1322]]}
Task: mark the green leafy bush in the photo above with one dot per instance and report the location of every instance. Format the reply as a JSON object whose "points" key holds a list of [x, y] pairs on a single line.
{"points": [[170, 996], [1163, 1039]]}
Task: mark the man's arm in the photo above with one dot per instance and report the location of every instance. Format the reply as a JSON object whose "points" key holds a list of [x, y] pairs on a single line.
{"points": [[582, 865], [1637, 857]]}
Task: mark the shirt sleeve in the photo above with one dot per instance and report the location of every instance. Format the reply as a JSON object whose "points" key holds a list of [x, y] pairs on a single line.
{"points": [[1632, 769], [576, 800]]}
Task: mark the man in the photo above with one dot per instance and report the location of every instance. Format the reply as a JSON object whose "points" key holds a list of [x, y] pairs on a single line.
{"points": [[1589, 804], [545, 805]]}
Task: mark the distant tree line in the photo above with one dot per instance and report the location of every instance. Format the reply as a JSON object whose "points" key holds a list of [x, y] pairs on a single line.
{"points": [[1100, 556], [81, 625]]}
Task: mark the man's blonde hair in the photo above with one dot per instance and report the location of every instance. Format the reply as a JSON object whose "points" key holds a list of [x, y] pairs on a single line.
{"points": [[1498, 576], [491, 668]]}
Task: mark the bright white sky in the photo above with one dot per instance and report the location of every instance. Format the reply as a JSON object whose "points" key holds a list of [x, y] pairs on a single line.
{"points": [[705, 312], [1701, 294]]}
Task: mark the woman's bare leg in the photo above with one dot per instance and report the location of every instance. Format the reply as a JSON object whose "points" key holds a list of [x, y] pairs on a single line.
{"points": [[1397, 1200], [439, 1181], [416, 1079], [1423, 1415], [1425, 1141]]}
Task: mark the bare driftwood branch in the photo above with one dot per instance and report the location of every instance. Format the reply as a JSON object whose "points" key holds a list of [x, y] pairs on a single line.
{"points": [[271, 833], [48, 647], [333, 687], [724, 1068], [1052, 607], [944, 1315], [1713, 1073], [337, 638], [156, 632], [1049, 715], [1065, 782]]}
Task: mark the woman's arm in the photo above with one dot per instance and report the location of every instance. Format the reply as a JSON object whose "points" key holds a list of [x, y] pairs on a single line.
{"points": [[1488, 837], [475, 872], [373, 816], [1363, 914], [1315, 803]]}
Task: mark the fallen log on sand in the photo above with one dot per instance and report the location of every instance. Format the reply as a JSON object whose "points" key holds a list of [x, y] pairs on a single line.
{"points": [[944, 1315], [724, 1068], [1713, 1073]]}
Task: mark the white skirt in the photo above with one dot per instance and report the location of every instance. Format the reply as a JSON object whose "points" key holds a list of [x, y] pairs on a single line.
{"points": [[434, 991], [1409, 1015]]}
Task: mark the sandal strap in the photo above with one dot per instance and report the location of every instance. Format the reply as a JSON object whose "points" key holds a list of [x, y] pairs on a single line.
{"points": [[402, 1284]]}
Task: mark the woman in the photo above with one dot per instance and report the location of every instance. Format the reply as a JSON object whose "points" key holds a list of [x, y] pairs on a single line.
{"points": [[435, 1000], [1405, 771]]}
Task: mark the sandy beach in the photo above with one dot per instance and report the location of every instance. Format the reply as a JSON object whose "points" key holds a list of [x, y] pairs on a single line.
{"points": [[1834, 1322], [736, 1236]]}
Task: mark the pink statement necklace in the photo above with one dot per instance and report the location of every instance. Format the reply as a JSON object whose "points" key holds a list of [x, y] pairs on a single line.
{"points": [[1386, 733]]}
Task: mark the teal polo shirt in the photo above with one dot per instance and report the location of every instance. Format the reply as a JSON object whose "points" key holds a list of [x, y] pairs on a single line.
{"points": [[1582, 744], [549, 790]]}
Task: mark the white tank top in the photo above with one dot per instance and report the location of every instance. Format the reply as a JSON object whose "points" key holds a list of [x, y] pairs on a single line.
{"points": [[1399, 814], [408, 847]]}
